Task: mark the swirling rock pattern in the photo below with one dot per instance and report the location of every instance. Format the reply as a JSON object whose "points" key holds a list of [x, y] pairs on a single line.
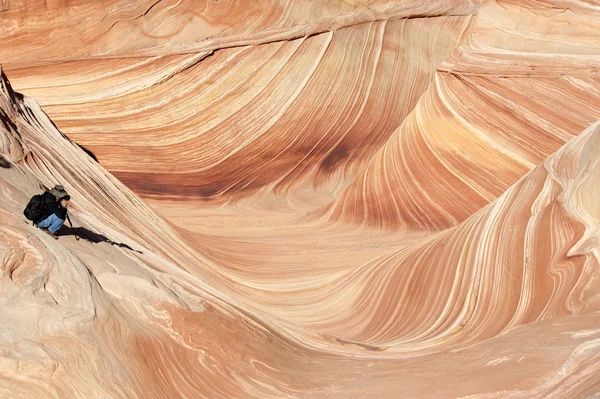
{"points": [[527, 66], [391, 199], [245, 106]]}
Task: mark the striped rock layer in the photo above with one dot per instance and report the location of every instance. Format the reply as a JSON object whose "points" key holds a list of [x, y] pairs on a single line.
{"points": [[302, 199]]}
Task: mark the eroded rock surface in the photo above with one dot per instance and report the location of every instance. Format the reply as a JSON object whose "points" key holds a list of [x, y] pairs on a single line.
{"points": [[302, 199]]}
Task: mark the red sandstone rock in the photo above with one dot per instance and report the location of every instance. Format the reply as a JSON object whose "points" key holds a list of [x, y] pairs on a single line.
{"points": [[387, 208]]}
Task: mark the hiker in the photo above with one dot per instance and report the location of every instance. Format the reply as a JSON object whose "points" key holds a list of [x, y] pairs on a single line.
{"points": [[54, 212]]}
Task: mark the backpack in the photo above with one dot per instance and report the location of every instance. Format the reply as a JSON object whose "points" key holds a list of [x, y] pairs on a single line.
{"points": [[35, 207]]}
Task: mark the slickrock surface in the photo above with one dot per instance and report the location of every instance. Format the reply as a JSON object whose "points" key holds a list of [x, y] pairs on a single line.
{"points": [[302, 199]]}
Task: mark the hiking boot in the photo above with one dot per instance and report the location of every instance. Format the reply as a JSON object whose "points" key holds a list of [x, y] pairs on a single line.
{"points": [[50, 234]]}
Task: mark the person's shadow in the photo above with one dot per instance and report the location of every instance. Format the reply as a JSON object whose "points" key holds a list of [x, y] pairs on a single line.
{"points": [[88, 235]]}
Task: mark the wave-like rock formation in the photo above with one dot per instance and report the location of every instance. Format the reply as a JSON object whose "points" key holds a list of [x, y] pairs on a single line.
{"points": [[302, 199], [41, 31], [497, 107], [224, 116]]}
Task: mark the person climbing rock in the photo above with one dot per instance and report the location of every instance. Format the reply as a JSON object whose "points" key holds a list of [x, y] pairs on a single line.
{"points": [[55, 209]]}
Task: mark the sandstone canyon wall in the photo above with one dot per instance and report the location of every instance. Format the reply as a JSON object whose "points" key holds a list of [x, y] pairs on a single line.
{"points": [[302, 199]]}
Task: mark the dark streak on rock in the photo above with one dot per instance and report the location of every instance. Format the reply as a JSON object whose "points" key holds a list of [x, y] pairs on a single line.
{"points": [[4, 164], [148, 9], [364, 346], [335, 158], [90, 153]]}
